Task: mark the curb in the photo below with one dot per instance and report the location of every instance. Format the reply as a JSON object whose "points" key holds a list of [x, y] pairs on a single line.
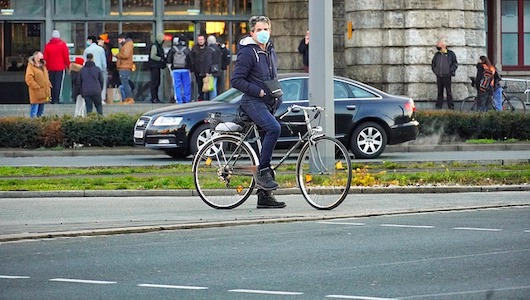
{"points": [[288, 191], [203, 225]]}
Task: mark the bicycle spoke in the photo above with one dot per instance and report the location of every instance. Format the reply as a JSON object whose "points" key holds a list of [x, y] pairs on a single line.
{"points": [[224, 179]]}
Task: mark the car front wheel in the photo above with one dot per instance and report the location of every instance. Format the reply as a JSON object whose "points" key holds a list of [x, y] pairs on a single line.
{"points": [[368, 140], [199, 137]]}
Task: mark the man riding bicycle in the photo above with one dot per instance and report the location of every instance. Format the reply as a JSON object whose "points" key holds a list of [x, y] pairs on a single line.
{"points": [[255, 68]]}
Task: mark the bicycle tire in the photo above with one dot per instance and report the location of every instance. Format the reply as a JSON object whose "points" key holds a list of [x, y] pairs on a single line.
{"points": [[223, 171], [469, 104], [514, 104], [323, 180]]}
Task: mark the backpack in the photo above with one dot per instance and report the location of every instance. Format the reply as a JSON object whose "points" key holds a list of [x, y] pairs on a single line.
{"points": [[179, 58], [486, 83]]}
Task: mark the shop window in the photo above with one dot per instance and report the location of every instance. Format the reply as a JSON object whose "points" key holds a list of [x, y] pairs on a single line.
{"points": [[22, 8], [69, 8], [196, 7], [136, 7], [515, 34]]}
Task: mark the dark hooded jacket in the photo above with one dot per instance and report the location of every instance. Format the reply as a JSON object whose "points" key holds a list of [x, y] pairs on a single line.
{"points": [[253, 67], [90, 80]]}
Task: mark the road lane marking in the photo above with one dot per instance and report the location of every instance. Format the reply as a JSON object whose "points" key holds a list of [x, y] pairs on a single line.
{"points": [[266, 292], [13, 277], [467, 292], [358, 297], [477, 229], [527, 231], [180, 287], [406, 226], [82, 281], [342, 223]]}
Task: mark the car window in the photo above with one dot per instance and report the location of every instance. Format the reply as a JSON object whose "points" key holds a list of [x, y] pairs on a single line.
{"points": [[358, 92], [292, 89], [340, 91], [229, 96]]}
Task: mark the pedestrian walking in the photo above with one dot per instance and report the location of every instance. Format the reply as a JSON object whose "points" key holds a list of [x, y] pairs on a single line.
{"points": [[198, 64], [212, 62]]}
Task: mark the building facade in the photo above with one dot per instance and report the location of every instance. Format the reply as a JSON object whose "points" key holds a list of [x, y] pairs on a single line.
{"points": [[386, 43]]}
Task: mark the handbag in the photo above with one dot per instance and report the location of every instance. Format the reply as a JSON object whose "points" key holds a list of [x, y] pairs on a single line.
{"points": [[274, 87], [113, 95], [207, 84]]}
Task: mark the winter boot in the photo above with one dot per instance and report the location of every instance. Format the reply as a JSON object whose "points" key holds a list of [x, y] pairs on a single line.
{"points": [[266, 200], [265, 179]]}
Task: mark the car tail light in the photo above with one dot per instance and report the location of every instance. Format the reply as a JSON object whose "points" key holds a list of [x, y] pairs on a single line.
{"points": [[410, 107]]}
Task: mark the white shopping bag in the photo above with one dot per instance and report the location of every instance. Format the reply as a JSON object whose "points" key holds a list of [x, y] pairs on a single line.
{"points": [[80, 107]]}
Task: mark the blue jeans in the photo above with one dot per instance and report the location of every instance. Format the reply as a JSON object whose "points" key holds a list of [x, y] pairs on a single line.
{"points": [[124, 78], [182, 85], [497, 98], [36, 110], [261, 114]]}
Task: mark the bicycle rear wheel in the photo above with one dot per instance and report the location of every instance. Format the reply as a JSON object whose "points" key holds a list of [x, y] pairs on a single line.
{"points": [[223, 172], [469, 104], [324, 172], [514, 104]]}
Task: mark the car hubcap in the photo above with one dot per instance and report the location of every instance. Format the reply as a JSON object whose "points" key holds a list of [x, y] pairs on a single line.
{"points": [[369, 140]]}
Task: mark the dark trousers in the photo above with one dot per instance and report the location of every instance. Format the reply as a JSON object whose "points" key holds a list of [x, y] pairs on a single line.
{"points": [[444, 83], [198, 80], [56, 79], [155, 83], [261, 114], [94, 100]]}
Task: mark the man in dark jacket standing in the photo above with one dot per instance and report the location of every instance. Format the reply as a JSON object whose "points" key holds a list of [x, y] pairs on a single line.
{"points": [[91, 83], [57, 60], [156, 62], [444, 65], [198, 64], [257, 63]]}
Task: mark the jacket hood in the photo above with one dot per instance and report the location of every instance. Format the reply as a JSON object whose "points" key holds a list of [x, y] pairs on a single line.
{"points": [[246, 41], [32, 62], [160, 38], [55, 41]]}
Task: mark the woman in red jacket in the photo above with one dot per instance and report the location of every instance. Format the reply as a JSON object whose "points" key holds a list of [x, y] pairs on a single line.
{"points": [[57, 61]]}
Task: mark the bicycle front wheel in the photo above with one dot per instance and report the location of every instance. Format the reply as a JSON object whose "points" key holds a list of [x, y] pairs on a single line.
{"points": [[324, 172], [223, 172], [469, 104], [514, 104]]}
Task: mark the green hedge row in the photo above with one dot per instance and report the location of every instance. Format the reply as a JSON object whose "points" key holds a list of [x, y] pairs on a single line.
{"points": [[117, 129], [67, 131]]}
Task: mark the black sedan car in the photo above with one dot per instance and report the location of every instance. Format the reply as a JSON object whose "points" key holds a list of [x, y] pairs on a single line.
{"points": [[369, 118]]}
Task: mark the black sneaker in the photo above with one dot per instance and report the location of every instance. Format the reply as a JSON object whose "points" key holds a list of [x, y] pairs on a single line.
{"points": [[265, 180], [266, 200]]}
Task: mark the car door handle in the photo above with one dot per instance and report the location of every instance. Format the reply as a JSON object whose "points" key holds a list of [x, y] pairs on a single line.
{"points": [[351, 107]]}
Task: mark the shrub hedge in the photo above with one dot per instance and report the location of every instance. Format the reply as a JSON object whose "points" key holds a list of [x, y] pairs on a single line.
{"points": [[117, 129]]}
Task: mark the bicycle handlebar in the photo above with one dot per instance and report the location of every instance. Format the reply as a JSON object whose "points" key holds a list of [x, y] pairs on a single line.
{"points": [[295, 107]]}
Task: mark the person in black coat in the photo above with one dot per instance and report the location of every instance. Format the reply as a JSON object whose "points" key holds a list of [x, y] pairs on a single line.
{"points": [[91, 83]]}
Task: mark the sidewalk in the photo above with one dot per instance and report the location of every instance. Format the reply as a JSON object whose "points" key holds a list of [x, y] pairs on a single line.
{"points": [[38, 215]]}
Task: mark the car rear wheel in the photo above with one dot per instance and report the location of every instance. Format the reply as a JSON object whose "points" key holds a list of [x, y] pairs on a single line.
{"points": [[368, 140], [200, 136]]}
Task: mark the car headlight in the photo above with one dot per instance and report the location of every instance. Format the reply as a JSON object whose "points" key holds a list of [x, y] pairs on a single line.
{"points": [[167, 121]]}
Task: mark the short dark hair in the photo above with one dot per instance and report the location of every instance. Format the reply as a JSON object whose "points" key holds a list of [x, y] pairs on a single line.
{"points": [[92, 38], [122, 36], [89, 56]]}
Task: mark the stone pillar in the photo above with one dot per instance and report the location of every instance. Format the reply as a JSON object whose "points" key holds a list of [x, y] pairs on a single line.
{"points": [[289, 24], [394, 41]]}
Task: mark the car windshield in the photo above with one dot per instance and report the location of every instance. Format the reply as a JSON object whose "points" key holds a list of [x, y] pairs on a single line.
{"points": [[230, 96]]}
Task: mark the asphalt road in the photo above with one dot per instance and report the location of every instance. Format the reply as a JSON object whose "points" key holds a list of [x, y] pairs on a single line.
{"points": [[472, 254], [513, 156]]}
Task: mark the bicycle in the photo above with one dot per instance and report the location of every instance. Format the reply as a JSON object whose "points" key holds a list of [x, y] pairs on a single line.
{"points": [[224, 167], [511, 104]]}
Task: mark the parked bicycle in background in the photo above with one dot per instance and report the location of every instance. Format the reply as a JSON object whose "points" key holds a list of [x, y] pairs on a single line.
{"points": [[510, 103]]}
